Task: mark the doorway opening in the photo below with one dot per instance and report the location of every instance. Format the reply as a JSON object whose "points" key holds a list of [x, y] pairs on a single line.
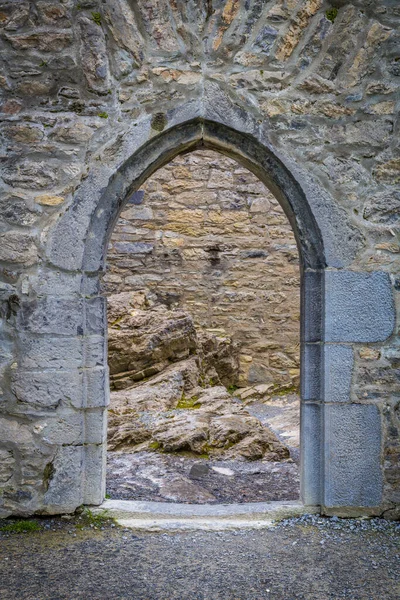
{"points": [[203, 287]]}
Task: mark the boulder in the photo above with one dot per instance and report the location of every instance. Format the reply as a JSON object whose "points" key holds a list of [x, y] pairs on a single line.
{"points": [[211, 423], [142, 342], [159, 367], [219, 358], [145, 338]]}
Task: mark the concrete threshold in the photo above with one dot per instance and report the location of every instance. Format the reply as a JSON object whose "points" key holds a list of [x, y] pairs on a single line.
{"points": [[168, 516]]}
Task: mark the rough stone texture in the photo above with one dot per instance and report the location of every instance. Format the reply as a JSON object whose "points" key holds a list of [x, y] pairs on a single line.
{"points": [[177, 406], [144, 338], [205, 235], [353, 446], [366, 314], [159, 415], [306, 101], [338, 373], [142, 343]]}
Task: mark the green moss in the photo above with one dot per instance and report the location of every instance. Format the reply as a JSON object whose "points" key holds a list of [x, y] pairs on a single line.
{"points": [[48, 475], [21, 526], [283, 391], [154, 445], [96, 519], [117, 321], [96, 17], [159, 121], [103, 115], [232, 389], [331, 14], [43, 64], [191, 454], [189, 403]]}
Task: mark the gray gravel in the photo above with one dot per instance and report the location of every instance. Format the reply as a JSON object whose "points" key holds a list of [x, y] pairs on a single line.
{"points": [[308, 558]]}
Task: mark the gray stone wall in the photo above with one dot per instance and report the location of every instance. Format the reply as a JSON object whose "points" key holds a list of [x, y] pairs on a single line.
{"points": [[95, 97], [206, 235]]}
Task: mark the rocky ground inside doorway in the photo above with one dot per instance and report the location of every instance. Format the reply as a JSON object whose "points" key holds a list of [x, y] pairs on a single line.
{"points": [[179, 429], [174, 477], [158, 477]]}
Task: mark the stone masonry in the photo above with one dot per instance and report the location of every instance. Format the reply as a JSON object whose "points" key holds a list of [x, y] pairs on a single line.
{"points": [[204, 234], [98, 95]]}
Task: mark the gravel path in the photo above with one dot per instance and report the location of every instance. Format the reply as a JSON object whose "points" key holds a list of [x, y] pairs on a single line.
{"points": [[308, 558]]}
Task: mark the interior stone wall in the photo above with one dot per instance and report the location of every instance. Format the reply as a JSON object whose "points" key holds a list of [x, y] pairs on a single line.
{"points": [[96, 95], [206, 235]]}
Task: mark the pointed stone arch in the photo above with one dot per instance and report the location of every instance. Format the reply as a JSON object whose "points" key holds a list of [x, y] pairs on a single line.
{"points": [[340, 439]]}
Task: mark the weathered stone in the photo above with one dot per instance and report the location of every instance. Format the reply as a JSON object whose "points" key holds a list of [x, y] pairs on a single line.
{"points": [[17, 17], [383, 208], [228, 15], [382, 108], [18, 211], [388, 172], [317, 85], [49, 200], [11, 107], [157, 22], [219, 358], [135, 248], [338, 373], [34, 87], [73, 133], [213, 424], [292, 37], [341, 45], [51, 352], [34, 389], [353, 450], [53, 315], [365, 315], [24, 133], [17, 247], [302, 125], [47, 41], [53, 14], [123, 27], [30, 175], [65, 485], [311, 448], [161, 392], [7, 462], [369, 353], [94, 56], [142, 343], [357, 71], [265, 39], [179, 488]]}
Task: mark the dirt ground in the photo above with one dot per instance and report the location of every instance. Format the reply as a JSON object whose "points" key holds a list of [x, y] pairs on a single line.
{"points": [[308, 558]]}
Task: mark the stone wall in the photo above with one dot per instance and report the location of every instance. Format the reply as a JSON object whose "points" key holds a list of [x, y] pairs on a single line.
{"points": [[98, 95], [206, 235]]}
